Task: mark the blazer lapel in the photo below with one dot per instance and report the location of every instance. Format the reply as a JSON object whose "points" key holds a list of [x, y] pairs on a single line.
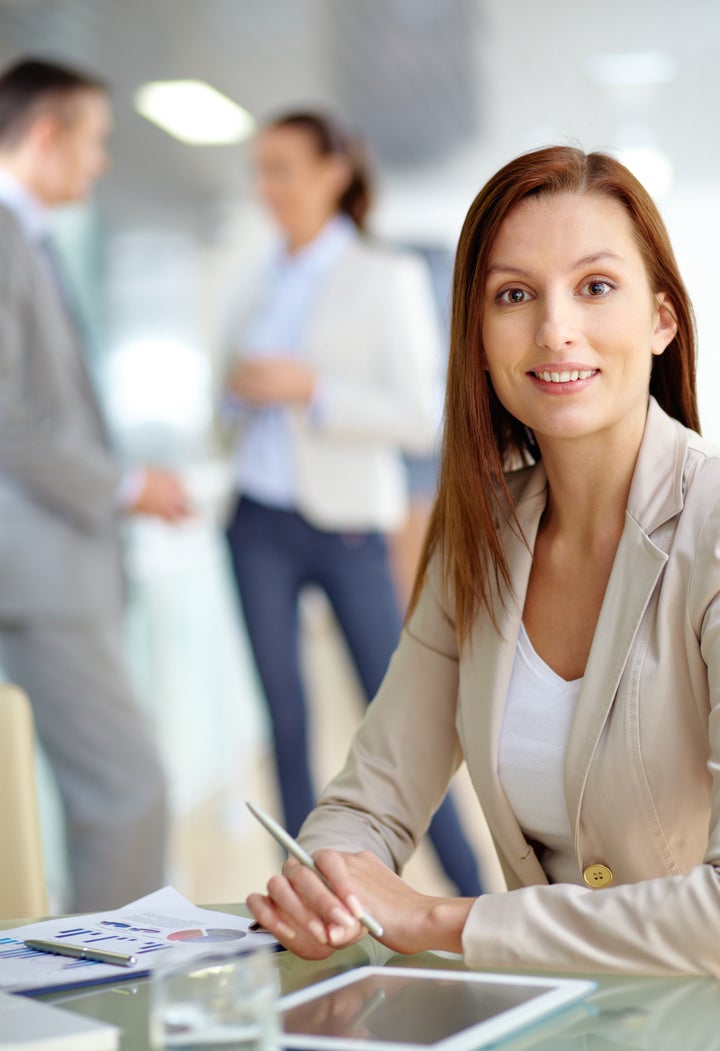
{"points": [[656, 497], [67, 329], [638, 564], [59, 321]]}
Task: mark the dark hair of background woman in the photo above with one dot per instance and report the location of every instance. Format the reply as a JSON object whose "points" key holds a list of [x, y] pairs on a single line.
{"points": [[330, 138], [481, 438]]}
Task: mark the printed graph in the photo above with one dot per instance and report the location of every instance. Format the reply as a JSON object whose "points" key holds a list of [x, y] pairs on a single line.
{"points": [[207, 934]]}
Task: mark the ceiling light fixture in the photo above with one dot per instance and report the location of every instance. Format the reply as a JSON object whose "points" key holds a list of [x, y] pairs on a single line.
{"points": [[194, 112]]}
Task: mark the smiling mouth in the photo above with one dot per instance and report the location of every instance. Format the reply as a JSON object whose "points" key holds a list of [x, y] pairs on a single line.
{"points": [[565, 377]]}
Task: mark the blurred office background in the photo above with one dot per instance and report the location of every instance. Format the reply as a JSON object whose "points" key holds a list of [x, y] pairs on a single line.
{"points": [[444, 91]]}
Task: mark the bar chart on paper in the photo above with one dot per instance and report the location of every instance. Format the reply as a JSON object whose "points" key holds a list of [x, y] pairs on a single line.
{"points": [[147, 929]]}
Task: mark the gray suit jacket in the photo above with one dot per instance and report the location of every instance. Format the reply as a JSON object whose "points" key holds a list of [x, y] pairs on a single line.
{"points": [[642, 767], [59, 546]]}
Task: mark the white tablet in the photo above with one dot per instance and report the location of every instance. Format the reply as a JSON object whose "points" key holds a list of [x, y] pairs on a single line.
{"points": [[411, 1009]]}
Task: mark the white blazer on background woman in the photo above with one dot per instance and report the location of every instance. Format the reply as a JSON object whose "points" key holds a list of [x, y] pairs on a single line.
{"points": [[374, 344]]}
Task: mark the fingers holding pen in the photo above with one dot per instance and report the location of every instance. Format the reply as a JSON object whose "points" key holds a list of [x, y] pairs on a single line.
{"points": [[304, 914], [336, 869], [314, 904], [337, 917], [298, 937]]}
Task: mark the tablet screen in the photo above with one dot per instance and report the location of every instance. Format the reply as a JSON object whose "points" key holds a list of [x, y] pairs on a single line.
{"points": [[406, 1007]]}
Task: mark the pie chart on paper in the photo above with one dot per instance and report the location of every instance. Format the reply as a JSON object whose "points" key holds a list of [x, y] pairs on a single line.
{"points": [[208, 934]]}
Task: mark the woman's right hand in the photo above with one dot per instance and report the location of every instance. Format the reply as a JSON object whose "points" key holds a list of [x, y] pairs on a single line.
{"points": [[312, 920], [304, 914]]}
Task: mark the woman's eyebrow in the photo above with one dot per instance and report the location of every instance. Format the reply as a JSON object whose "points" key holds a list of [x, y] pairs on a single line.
{"points": [[596, 257], [586, 260], [506, 268]]}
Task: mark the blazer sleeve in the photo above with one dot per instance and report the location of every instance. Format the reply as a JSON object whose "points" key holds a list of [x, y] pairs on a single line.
{"points": [[401, 402], [666, 925], [404, 752], [47, 459]]}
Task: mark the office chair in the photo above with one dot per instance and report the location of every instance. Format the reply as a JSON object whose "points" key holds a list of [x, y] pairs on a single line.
{"points": [[23, 892]]}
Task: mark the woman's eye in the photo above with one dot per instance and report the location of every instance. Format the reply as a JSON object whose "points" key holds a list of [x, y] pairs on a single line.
{"points": [[513, 295], [598, 288]]}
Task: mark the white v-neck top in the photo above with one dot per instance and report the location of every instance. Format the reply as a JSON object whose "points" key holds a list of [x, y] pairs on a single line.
{"points": [[531, 757]]}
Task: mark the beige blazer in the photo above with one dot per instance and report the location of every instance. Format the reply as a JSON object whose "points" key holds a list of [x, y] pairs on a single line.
{"points": [[642, 769], [375, 344]]}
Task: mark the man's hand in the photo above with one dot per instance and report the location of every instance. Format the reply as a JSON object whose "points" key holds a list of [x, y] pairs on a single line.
{"points": [[273, 381], [162, 495]]}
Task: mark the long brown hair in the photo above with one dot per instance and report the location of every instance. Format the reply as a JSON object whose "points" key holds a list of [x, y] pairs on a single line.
{"points": [[330, 138], [481, 438]]}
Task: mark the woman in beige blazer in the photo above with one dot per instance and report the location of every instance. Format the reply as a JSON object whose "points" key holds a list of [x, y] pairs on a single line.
{"points": [[567, 610]]}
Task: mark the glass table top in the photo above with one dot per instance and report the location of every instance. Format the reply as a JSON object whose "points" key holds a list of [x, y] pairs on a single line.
{"points": [[624, 1014]]}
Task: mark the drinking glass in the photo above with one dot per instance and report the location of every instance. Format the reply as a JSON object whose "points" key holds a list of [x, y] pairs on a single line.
{"points": [[216, 998]]}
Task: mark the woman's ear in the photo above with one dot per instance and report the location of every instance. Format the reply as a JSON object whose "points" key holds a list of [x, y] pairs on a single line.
{"points": [[665, 324]]}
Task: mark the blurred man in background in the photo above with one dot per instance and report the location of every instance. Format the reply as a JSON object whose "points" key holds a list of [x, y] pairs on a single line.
{"points": [[61, 493]]}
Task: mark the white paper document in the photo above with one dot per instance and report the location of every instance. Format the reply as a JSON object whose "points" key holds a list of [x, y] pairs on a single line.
{"points": [[149, 928], [31, 1025]]}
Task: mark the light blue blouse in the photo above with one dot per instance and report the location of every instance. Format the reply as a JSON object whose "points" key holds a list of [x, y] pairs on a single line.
{"points": [[278, 326]]}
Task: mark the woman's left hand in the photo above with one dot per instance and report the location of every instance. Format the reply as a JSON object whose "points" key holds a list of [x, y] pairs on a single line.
{"points": [[274, 381]]}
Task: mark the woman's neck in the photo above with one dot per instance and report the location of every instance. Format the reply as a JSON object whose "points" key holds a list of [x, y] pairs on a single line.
{"points": [[589, 484], [304, 233]]}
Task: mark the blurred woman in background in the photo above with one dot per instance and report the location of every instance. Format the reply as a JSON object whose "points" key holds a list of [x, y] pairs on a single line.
{"points": [[335, 376]]}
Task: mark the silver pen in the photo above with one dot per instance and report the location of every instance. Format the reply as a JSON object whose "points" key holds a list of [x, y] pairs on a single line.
{"points": [[81, 952], [285, 840]]}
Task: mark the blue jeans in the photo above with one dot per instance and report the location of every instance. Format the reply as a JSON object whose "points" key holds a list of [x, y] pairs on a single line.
{"points": [[274, 555]]}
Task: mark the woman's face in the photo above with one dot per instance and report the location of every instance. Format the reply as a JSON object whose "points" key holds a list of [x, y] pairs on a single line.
{"points": [[570, 321], [300, 187]]}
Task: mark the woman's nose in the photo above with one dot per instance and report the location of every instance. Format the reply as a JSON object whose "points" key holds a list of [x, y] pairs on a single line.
{"points": [[556, 326]]}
